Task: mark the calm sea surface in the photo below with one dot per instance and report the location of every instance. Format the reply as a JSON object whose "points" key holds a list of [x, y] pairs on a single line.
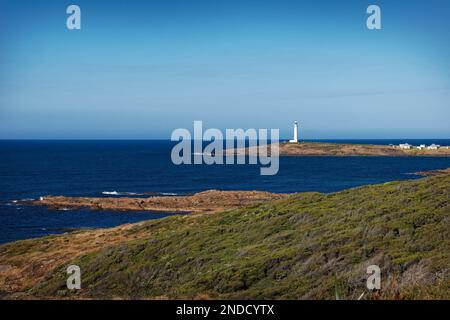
{"points": [[30, 169]]}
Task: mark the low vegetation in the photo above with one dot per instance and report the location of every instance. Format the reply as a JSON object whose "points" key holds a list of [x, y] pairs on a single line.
{"points": [[346, 149], [305, 246]]}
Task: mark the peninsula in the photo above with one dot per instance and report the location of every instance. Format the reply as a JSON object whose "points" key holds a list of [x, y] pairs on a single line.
{"points": [[345, 149], [296, 147], [301, 246], [206, 201]]}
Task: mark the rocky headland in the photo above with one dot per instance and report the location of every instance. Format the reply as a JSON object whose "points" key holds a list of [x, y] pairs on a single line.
{"points": [[345, 149], [207, 201]]}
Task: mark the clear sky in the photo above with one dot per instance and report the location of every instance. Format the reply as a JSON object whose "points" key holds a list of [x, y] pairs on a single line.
{"points": [[140, 69]]}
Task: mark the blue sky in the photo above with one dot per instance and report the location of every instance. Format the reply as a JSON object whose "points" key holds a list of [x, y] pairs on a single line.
{"points": [[140, 69]]}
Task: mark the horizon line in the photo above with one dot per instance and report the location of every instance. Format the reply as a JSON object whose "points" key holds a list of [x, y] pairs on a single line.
{"points": [[165, 139]]}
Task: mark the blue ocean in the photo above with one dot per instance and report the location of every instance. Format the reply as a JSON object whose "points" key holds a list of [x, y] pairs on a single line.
{"points": [[30, 169]]}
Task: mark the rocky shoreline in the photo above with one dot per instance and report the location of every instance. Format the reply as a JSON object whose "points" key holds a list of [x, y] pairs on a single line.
{"points": [[207, 201], [433, 172], [345, 149], [202, 202]]}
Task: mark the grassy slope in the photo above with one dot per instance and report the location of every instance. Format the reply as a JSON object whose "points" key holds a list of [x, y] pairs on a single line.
{"points": [[309, 245]]}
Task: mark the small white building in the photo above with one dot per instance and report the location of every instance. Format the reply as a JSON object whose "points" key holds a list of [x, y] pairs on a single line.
{"points": [[433, 147], [421, 147], [405, 146]]}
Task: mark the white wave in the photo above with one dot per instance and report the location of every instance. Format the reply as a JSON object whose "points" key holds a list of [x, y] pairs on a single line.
{"points": [[112, 193], [27, 199], [116, 193]]}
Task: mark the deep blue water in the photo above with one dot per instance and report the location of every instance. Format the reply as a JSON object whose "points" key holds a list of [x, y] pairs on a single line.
{"points": [[30, 169]]}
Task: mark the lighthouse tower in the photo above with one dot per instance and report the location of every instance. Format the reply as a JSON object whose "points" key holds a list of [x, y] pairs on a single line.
{"points": [[295, 140]]}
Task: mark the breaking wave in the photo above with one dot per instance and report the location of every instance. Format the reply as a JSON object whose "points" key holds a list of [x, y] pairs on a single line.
{"points": [[112, 193], [116, 193]]}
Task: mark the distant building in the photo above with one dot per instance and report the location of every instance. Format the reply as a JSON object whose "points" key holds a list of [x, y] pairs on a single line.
{"points": [[405, 146], [433, 147], [295, 140], [421, 147]]}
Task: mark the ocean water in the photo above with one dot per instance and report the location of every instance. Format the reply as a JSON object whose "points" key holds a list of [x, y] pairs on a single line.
{"points": [[30, 169]]}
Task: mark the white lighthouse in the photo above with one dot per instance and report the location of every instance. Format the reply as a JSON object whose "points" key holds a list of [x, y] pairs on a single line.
{"points": [[295, 140]]}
